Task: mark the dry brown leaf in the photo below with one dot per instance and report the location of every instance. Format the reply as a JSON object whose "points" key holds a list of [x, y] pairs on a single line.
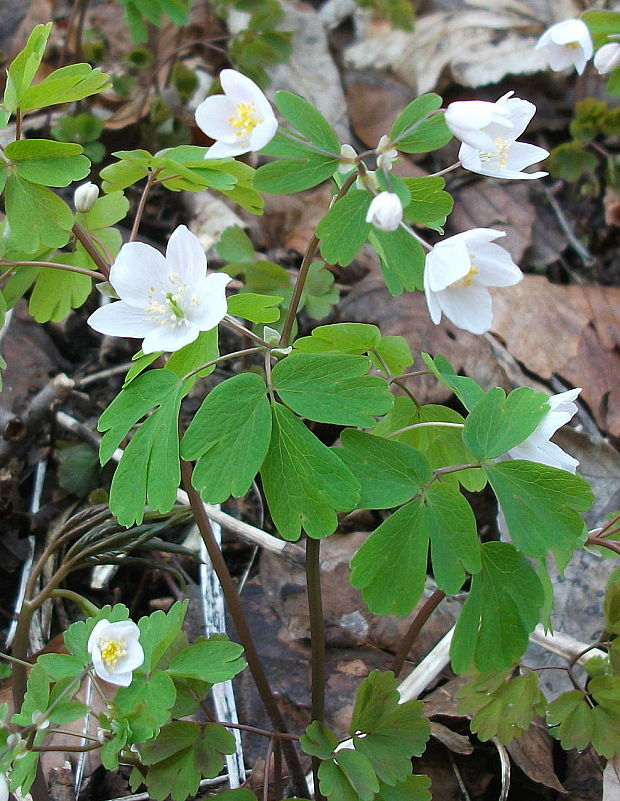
{"points": [[289, 221], [572, 331], [374, 102], [458, 743], [533, 753]]}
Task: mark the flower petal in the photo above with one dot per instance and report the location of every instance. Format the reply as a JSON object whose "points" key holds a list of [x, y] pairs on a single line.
{"points": [[211, 307], [185, 255], [434, 309], [119, 319], [263, 133], [468, 307], [212, 117], [241, 88], [447, 262], [137, 269], [223, 150], [169, 338], [522, 154], [495, 266]]}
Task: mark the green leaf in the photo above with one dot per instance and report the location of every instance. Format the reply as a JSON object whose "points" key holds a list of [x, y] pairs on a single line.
{"points": [[65, 85], [402, 259], [502, 608], [56, 292], [125, 172], [441, 445], [60, 666], [149, 468], [235, 245], [542, 504], [332, 388], [428, 200], [49, 163], [344, 229], [158, 631], [25, 65], [400, 13], [106, 211], [570, 160], [502, 706], [466, 389], [393, 353], [498, 423], [611, 605], [319, 293], [390, 567], [36, 698], [390, 473], [392, 732], [414, 788], [354, 338], [146, 704], [349, 776], [319, 740], [38, 218], [213, 660], [294, 482], [417, 129], [286, 177], [601, 24], [229, 435], [256, 308], [308, 121], [78, 468]]}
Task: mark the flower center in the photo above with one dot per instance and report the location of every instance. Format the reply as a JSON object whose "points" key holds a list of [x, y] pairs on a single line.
{"points": [[245, 120], [572, 45], [499, 156], [467, 280], [169, 307], [111, 652]]}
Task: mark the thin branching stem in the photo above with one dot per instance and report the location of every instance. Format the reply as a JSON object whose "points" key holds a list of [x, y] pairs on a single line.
{"points": [[317, 640], [52, 265], [417, 624]]}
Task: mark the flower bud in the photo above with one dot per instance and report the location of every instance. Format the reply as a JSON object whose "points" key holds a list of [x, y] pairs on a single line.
{"points": [[385, 212], [85, 197], [39, 719], [348, 159], [386, 155], [607, 58]]}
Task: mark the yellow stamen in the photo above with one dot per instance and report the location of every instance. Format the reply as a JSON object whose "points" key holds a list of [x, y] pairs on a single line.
{"points": [[499, 156], [111, 652], [245, 120], [467, 280]]}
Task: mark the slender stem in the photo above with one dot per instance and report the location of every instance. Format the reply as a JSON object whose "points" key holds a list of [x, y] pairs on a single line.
{"points": [[412, 127], [417, 624], [445, 170], [278, 735], [55, 266], [402, 386], [417, 237], [243, 630], [428, 424], [317, 639], [73, 749], [613, 545], [79, 30], [231, 323], [83, 603], [16, 661], [444, 471], [277, 771], [414, 374], [19, 117], [308, 145], [89, 246], [608, 529], [234, 355], [304, 269], [140, 210]]}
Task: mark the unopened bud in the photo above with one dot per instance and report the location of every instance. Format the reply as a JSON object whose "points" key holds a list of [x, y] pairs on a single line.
{"points": [[40, 720], [385, 212], [386, 154], [348, 159], [85, 197]]}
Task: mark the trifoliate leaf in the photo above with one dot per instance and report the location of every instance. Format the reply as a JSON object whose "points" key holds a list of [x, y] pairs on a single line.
{"points": [[349, 776], [344, 229], [56, 292], [49, 163], [502, 608], [542, 504], [294, 480], [65, 85], [229, 436], [332, 389], [502, 706], [148, 471], [256, 308], [307, 120], [341, 338], [146, 704], [417, 129], [158, 631], [429, 202], [390, 567], [213, 660], [402, 259], [319, 740], [38, 218], [24, 67], [390, 473], [319, 294], [391, 732], [442, 445], [498, 423]]}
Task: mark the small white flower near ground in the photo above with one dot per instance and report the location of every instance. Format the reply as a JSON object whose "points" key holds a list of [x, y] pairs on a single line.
{"points": [[567, 44], [116, 651], [385, 212]]}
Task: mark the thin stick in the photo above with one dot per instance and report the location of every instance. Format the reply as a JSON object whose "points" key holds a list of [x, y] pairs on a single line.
{"points": [[431, 603], [140, 210], [89, 246], [317, 640]]}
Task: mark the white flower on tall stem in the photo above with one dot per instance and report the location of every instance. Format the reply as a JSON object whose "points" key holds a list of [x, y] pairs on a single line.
{"points": [[607, 58], [458, 271], [537, 447], [385, 212], [167, 301], [567, 44], [240, 120], [116, 651], [489, 132]]}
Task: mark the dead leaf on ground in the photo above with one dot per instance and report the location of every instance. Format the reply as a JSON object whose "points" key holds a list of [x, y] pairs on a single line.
{"points": [[533, 753], [571, 331], [374, 102], [290, 221]]}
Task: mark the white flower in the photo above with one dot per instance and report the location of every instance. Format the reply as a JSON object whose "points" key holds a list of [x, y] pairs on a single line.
{"points": [[116, 651], [385, 212], [489, 132], [537, 447], [347, 160], [457, 273], [167, 301], [567, 44], [607, 58], [386, 155], [85, 197], [4, 787], [240, 120]]}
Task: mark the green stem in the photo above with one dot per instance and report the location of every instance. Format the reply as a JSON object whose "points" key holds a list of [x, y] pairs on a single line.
{"points": [[304, 269], [140, 210], [417, 624], [234, 355], [54, 266], [428, 424], [243, 630], [317, 640], [88, 608], [89, 246]]}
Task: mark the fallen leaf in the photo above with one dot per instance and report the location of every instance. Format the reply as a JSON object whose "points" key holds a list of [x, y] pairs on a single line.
{"points": [[375, 101], [533, 753], [458, 743]]}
